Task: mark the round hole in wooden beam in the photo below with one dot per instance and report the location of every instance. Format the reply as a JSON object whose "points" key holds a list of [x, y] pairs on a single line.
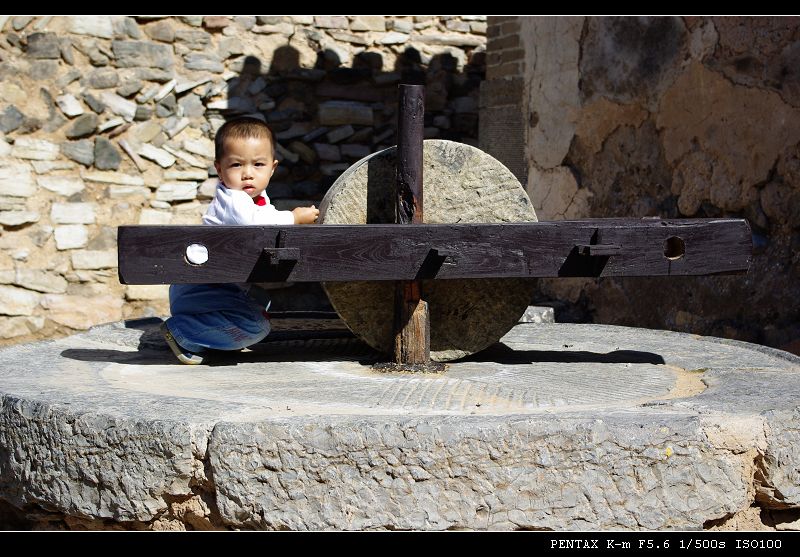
{"points": [[674, 248], [196, 254]]}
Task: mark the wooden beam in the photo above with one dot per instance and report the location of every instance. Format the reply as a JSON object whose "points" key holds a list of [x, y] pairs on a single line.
{"points": [[581, 248], [411, 323], [410, 132]]}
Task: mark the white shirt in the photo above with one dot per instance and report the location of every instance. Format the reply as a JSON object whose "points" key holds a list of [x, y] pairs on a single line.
{"points": [[237, 207]]}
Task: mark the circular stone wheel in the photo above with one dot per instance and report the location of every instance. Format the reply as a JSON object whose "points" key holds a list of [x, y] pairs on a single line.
{"points": [[461, 184]]}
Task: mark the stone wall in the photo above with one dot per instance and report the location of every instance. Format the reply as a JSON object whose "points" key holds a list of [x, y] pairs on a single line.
{"points": [[106, 121], [668, 117]]}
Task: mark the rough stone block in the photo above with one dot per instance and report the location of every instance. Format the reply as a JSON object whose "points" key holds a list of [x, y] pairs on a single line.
{"points": [[11, 327], [34, 149], [17, 301], [204, 62], [106, 156], [176, 191], [327, 152], [133, 54], [102, 78], [160, 31], [71, 236], [11, 119], [113, 178], [153, 216], [44, 45], [354, 150], [80, 151], [159, 156], [330, 22], [80, 312], [94, 259], [147, 292], [16, 179], [73, 213], [62, 185], [95, 26], [119, 105], [69, 105], [82, 126], [393, 38], [368, 23], [18, 218], [40, 281], [336, 113]]}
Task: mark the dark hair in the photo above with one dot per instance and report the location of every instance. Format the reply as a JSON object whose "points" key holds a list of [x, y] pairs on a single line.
{"points": [[242, 128]]}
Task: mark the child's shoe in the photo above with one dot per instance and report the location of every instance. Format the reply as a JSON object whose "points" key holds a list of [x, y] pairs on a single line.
{"points": [[183, 355]]}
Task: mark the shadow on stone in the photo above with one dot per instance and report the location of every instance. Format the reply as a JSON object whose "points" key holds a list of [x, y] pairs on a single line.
{"points": [[503, 354], [305, 350], [338, 349], [311, 344]]}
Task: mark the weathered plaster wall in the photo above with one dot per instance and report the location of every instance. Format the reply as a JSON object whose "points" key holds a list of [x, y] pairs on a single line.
{"points": [[670, 117]]}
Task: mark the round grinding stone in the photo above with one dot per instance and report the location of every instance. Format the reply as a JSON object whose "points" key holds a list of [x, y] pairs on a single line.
{"points": [[461, 184]]}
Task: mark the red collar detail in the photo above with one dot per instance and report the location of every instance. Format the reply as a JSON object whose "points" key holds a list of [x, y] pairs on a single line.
{"points": [[260, 200]]}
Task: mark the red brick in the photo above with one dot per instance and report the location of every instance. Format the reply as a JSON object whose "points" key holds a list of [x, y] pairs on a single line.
{"points": [[508, 41], [216, 21], [512, 55], [510, 69], [501, 18]]}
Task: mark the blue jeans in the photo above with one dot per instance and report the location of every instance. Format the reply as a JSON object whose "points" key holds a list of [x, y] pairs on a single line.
{"points": [[217, 316]]}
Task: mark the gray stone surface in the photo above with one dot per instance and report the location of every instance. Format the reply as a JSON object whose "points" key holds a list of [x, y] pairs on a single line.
{"points": [[96, 26], [195, 39], [119, 105], [62, 185], [69, 105], [462, 184], [82, 126], [43, 45], [94, 103], [161, 31], [106, 156], [34, 149], [336, 113], [561, 426], [538, 314], [16, 179], [103, 78], [192, 106], [130, 87], [72, 213], [80, 151], [130, 54], [43, 69], [207, 62], [11, 119]]}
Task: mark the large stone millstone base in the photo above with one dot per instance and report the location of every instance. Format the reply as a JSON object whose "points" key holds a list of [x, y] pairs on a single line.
{"points": [[559, 427]]}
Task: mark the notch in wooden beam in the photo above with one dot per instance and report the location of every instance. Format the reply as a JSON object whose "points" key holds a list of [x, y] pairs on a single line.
{"points": [[596, 247], [279, 252], [598, 250]]}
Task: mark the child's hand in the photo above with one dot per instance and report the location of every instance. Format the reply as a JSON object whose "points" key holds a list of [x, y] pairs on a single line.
{"points": [[305, 215]]}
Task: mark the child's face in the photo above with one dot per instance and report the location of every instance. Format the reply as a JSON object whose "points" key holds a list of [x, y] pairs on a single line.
{"points": [[246, 164]]}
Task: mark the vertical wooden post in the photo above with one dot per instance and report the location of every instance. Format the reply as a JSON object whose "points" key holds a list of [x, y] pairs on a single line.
{"points": [[412, 327]]}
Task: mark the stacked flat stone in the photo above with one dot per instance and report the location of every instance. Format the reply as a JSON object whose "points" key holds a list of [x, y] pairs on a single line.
{"points": [[109, 121]]}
